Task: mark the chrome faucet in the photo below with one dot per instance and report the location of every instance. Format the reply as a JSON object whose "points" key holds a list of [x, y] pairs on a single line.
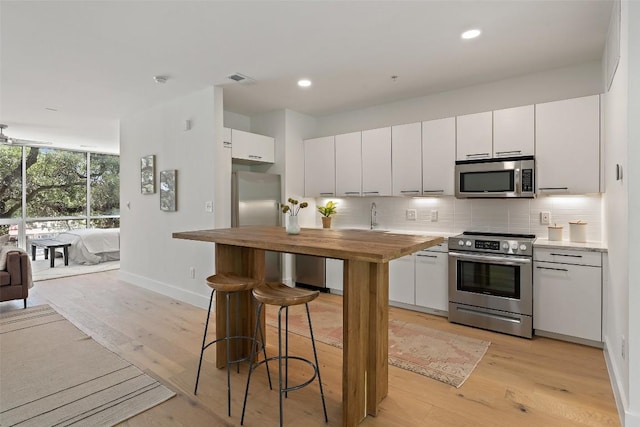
{"points": [[373, 215]]}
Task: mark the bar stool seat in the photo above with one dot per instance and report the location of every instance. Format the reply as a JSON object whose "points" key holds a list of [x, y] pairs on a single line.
{"points": [[279, 294], [230, 284]]}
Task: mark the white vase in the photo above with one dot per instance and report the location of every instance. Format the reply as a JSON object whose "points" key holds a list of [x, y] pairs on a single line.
{"points": [[292, 225]]}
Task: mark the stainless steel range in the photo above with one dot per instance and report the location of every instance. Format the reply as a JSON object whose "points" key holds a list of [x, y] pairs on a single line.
{"points": [[491, 281]]}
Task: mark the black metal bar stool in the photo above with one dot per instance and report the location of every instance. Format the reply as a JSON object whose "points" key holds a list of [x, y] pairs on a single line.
{"points": [[284, 296], [230, 284]]}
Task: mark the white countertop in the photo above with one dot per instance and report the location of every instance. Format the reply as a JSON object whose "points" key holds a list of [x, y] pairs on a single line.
{"points": [[566, 244]]}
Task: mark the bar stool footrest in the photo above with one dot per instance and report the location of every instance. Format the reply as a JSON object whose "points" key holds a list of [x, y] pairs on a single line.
{"points": [[295, 387]]}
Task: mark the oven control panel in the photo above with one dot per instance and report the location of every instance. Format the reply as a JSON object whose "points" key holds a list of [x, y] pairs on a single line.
{"points": [[492, 245]]}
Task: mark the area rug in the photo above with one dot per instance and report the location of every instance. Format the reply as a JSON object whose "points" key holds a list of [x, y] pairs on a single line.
{"points": [[53, 374], [445, 357], [42, 270]]}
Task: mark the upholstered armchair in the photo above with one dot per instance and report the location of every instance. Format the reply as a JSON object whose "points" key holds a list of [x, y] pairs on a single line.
{"points": [[15, 279]]}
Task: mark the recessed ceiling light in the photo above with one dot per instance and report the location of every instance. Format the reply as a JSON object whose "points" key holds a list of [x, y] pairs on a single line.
{"points": [[471, 34], [304, 82], [160, 79], [50, 109]]}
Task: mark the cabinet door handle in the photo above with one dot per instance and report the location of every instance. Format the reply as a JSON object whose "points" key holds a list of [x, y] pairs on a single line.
{"points": [[433, 191], [351, 192], [410, 191], [553, 188], [571, 256], [504, 153], [549, 268], [252, 156], [428, 256], [226, 144], [370, 192], [326, 194], [478, 155]]}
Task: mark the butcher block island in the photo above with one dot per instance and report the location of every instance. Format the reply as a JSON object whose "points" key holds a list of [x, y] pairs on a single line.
{"points": [[366, 256]]}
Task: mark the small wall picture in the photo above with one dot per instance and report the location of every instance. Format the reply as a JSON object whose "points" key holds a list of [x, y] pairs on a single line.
{"points": [[147, 174], [168, 190]]}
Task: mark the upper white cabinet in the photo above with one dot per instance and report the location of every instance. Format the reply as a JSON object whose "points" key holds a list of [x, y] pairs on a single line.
{"points": [[406, 159], [475, 136], [319, 167], [568, 146], [513, 132], [252, 147], [438, 156], [376, 162], [349, 164]]}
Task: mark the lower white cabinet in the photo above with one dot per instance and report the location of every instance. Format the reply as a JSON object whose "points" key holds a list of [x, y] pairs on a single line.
{"points": [[334, 274], [567, 293], [432, 275], [402, 280]]}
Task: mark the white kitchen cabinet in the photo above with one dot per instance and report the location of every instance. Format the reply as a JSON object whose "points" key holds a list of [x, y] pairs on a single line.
{"points": [[568, 146], [402, 280], [438, 156], [406, 159], [376, 162], [319, 167], [226, 137], [252, 147], [567, 296], [432, 275], [474, 136], [349, 164], [334, 270], [513, 132]]}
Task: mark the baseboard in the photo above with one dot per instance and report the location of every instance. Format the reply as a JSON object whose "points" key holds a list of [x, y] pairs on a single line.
{"points": [[618, 388], [192, 298]]}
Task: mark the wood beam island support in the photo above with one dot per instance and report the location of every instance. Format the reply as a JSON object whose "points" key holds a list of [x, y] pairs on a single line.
{"points": [[366, 295]]}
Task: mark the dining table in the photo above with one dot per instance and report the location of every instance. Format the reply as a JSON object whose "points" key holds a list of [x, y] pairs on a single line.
{"points": [[366, 255]]}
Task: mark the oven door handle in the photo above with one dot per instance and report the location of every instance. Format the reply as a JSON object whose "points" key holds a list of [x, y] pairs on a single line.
{"points": [[493, 259]]}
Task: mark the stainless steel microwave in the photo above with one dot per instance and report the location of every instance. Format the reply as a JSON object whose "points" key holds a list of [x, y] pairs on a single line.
{"points": [[496, 178]]}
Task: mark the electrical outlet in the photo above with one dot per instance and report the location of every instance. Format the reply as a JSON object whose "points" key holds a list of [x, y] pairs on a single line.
{"points": [[434, 215], [623, 345], [192, 272], [545, 217], [412, 214], [208, 206]]}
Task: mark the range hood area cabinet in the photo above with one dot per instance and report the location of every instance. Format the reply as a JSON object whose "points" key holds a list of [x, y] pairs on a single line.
{"points": [[568, 146], [320, 167], [494, 134], [250, 148]]}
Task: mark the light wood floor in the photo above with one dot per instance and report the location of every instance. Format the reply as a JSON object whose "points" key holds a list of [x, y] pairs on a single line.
{"points": [[519, 382]]}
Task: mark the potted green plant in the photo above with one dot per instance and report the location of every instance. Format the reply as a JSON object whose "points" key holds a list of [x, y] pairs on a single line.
{"points": [[326, 211]]}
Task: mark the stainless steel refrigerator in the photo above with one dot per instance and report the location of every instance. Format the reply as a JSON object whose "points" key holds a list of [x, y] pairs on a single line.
{"points": [[255, 200]]}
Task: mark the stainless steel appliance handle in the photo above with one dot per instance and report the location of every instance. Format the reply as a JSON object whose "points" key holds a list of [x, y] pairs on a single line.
{"points": [[487, 258], [549, 268]]}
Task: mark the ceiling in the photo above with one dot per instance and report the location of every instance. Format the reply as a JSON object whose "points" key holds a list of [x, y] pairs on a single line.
{"points": [[70, 69]]}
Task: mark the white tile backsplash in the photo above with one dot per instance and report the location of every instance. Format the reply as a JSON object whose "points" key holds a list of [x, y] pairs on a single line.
{"points": [[458, 215]]}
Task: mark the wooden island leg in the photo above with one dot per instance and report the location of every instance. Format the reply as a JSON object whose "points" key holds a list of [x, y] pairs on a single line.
{"points": [[378, 376], [244, 262]]}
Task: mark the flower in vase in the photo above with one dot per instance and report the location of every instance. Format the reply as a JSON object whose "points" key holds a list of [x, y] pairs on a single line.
{"points": [[292, 206]]}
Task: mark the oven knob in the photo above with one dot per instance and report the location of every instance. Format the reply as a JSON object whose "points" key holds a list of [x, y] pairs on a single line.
{"points": [[523, 247], [514, 246], [468, 243], [505, 245], [460, 242]]}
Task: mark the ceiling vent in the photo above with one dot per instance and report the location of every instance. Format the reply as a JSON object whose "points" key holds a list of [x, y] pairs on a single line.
{"points": [[241, 78]]}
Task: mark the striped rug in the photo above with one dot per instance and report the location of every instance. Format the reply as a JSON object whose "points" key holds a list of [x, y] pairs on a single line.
{"points": [[52, 374]]}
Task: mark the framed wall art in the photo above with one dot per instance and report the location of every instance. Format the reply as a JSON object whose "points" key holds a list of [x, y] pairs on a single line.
{"points": [[147, 174], [168, 186]]}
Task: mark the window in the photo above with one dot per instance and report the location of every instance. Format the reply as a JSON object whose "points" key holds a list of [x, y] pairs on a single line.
{"points": [[10, 182]]}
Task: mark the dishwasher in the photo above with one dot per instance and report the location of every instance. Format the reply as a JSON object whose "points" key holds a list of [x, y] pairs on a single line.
{"points": [[311, 272]]}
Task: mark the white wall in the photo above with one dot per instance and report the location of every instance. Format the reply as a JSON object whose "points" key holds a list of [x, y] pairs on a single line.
{"points": [[150, 257], [572, 82], [458, 215]]}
